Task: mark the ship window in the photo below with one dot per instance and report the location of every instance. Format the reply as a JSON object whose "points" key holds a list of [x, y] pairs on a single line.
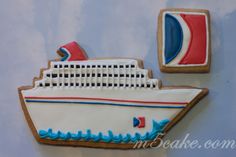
{"points": [[72, 66], [60, 66], [142, 75], [148, 85], [87, 84], [104, 84], [66, 66], [109, 66], [55, 66], [47, 84], [93, 84], [77, 66], [83, 66], [93, 66], [99, 66], [77, 84], [132, 85], [40, 85], [88, 75], [132, 75], [98, 84], [82, 84], [54, 75], [60, 84], [66, 84], [65, 75], [137, 75], [121, 85], [137, 85], [48, 75], [83, 75], [77, 75], [88, 66], [115, 66], [127, 75], [60, 75], [121, 66], [154, 86], [93, 75], [142, 85], [127, 85], [110, 75], [99, 75], [127, 66], [104, 75], [115, 75], [109, 84], [115, 85], [71, 75], [121, 75], [104, 66], [71, 84], [132, 66], [54, 84]]}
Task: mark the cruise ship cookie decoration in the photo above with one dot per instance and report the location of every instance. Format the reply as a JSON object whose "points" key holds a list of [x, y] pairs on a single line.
{"points": [[102, 103], [184, 40]]}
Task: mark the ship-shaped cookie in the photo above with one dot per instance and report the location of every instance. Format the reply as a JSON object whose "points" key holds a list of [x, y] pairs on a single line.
{"points": [[104, 103]]}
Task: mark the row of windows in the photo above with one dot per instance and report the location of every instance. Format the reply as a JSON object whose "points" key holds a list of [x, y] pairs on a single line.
{"points": [[94, 66], [94, 75], [98, 85]]}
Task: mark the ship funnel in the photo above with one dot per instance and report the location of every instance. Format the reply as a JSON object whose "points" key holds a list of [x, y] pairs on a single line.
{"points": [[72, 52]]}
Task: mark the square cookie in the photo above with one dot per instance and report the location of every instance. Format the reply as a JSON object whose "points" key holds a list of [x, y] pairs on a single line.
{"points": [[184, 43]]}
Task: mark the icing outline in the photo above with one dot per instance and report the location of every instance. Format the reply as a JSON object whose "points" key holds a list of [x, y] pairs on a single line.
{"points": [[103, 103]]}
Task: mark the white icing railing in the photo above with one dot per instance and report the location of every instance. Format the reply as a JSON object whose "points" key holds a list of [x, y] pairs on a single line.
{"points": [[93, 75]]}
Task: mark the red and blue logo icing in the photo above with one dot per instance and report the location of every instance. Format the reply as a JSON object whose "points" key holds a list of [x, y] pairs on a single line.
{"points": [[72, 52], [139, 122], [187, 30]]}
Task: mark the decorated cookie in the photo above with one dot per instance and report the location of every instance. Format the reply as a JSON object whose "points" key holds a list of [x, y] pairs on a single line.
{"points": [[103, 103], [184, 40]]}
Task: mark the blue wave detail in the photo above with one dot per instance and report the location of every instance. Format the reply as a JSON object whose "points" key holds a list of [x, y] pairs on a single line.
{"points": [[157, 127], [103, 103], [173, 38], [66, 55]]}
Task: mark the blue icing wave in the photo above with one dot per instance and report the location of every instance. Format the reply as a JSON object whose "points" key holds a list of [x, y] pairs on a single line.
{"points": [[157, 127]]}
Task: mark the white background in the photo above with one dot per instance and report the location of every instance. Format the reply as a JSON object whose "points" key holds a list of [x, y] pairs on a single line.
{"points": [[31, 31]]}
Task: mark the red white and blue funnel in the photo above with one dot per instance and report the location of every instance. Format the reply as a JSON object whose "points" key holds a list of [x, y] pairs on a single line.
{"points": [[72, 52]]}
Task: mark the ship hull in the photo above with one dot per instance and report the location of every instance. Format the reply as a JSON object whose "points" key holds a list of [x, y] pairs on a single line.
{"points": [[74, 110]]}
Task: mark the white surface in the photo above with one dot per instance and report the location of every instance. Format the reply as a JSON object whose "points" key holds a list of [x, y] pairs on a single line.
{"points": [[74, 117], [33, 30], [69, 117]]}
